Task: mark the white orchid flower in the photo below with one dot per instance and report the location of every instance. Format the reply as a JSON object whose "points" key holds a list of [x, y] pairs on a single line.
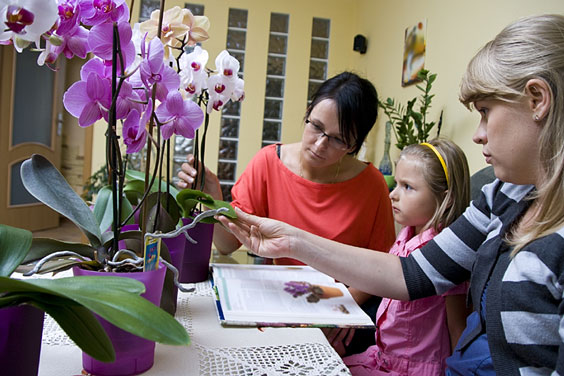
{"points": [[193, 73], [26, 20], [227, 65]]}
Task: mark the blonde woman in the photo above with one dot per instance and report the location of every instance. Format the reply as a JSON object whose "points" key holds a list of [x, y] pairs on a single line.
{"points": [[509, 242]]}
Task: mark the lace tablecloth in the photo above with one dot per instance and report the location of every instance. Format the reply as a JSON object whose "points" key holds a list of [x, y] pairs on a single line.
{"points": [[214, 350]]}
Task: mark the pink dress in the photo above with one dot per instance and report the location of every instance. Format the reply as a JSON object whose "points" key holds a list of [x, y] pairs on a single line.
{"points": [[412, 337]]}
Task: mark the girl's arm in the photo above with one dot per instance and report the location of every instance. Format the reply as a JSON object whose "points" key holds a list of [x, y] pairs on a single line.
{"points": [[377, 273], [456, 313]]}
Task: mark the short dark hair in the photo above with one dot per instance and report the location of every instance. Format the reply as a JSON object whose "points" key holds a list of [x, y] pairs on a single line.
{"points": [[357, 106]]}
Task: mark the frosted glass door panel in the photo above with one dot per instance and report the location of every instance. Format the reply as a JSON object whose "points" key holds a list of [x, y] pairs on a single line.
{"points": [[33, 101], [18, 194]]}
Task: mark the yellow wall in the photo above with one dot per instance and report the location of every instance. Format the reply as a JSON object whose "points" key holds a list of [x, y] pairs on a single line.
{"points": [[455, 31]]}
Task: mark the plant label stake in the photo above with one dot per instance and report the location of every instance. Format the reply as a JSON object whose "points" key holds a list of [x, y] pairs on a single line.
{"points": [[152, 253]]}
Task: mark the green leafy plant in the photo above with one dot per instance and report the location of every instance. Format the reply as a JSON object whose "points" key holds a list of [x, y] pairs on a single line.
{"points": [[45, 182], [94, 183], [410, 124], [188, 199], [186, 203], [72, 301]]}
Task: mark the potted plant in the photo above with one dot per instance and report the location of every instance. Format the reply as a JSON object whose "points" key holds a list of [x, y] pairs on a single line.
{"points": [[410, 125], [71, 301], [211, 89], [127, 80]]}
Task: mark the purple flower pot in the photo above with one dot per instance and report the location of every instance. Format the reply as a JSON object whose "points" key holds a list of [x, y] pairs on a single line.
{"points": [[21, 329], [134, 355], [196, 263]]}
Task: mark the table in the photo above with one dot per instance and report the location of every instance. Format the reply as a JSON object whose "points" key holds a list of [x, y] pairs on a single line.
{"points": [[214, 350]]}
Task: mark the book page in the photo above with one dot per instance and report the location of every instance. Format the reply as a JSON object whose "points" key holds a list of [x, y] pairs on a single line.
{"points": [[273, 294], [270, 272]]}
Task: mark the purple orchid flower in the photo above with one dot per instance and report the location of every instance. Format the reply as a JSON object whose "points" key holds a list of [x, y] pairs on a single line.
{"points": [[74, 43], [134, 132], [152, 70], [127, 100], [100, 41], [69, 12], [179, 116], [97, 66], [48, 56], [96, 12], [88, 100]]}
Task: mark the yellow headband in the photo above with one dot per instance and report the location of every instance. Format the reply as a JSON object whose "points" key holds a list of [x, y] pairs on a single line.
{"points": [[438, 156]]}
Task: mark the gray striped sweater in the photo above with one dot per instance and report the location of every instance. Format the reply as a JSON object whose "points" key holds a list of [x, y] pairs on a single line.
{"points": [[524, 298]]}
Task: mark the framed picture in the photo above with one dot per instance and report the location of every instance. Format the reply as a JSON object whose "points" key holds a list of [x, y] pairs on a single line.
{"points": [[413, 53]]}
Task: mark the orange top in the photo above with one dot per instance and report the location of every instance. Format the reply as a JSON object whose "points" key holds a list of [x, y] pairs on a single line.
{"points": [[356, 212]]}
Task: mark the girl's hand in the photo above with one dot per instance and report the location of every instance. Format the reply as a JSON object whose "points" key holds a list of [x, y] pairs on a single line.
{"points": [[339, 338], [189, 174], [263, 236]]}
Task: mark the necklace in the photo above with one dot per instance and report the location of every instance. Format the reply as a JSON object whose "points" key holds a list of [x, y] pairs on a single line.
{"points": [[334, 178]]}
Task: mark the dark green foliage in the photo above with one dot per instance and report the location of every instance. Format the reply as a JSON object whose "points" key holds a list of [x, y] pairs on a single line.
{"points": [[409, 124]]}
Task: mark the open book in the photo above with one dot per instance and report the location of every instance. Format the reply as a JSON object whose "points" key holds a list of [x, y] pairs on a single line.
{"points": [[276, 295]]}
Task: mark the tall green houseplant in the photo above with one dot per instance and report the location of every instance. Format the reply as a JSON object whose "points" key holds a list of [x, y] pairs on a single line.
{"points": [[409, 121]]}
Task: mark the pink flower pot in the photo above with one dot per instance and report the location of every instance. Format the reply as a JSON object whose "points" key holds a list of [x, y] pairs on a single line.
{"points": [[21, 329], [134, 355], [195, 267]]}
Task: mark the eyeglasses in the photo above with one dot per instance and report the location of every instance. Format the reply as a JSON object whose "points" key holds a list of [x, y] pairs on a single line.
{"points": [[334, 142]]}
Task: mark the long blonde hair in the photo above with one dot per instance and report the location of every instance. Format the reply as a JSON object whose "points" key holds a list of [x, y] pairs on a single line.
{"points": [[532, 47], [449, 205]]}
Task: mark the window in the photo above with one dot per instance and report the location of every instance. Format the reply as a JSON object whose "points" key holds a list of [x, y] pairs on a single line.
{"points": [[275, 78], [319, 55], [183, 146], [231, 113], [147, 7]]}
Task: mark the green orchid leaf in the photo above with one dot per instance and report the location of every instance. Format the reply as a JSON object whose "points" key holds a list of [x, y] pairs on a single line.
{"points": [[78, 322], [167, 219], [83, 328], [49, 286], [14, 246], [41, 247], [45, 183], [193, 194], [133, 190], [133, 175], [127, 236], [103, 209], [230, 213], [188, 206], [188, 199], [52, 266], [109, 298]]}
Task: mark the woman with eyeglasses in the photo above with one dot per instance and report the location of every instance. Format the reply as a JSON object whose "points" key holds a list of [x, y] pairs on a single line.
{"points": [[318, 184]]}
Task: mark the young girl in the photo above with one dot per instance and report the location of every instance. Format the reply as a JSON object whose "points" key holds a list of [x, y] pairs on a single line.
{"points": [[415, 338]]}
